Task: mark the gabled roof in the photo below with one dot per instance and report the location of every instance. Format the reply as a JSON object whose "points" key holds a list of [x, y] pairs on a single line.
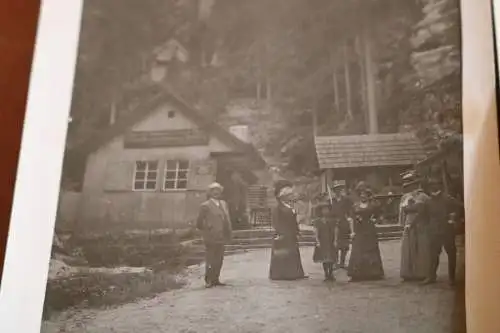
{"points": [[149, 106], [352, 151]]}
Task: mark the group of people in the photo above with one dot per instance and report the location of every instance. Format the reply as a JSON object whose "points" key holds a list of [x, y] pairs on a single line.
{"points": [[431, 219], [342, 224]]}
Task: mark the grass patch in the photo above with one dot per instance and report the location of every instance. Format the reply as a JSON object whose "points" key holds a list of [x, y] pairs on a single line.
{"points": [[158, 250], [98, 290]]}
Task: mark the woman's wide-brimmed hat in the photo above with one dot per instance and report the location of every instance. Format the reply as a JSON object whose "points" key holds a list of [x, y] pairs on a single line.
{"points": [[280, 185], [215, 186], [362, 187], [285, 191], [338, 184], [411, 177]]}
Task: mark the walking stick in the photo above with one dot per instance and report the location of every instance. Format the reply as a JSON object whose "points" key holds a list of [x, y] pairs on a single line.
{"points": [[329, 194]]}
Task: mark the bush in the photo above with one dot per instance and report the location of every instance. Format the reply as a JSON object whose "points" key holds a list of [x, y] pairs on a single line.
{"points": [[158, 250], [135, 249]]}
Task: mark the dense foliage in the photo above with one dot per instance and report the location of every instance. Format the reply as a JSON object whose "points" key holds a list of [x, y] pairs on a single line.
{"points": [[278, 52]]}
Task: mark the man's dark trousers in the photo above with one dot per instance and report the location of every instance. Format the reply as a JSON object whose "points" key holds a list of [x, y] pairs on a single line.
{"points": [[439, 241], [214, 256]]}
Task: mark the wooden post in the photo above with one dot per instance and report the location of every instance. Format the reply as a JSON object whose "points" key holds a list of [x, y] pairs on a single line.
{"points": [[347, 80], [370, 85]]}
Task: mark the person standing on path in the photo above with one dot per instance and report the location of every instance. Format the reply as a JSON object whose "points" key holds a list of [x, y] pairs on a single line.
{"points": [[326, 231], [443, 210], [215, 225], [414, 217], [285, 255], [341, 209], [365, 263]]}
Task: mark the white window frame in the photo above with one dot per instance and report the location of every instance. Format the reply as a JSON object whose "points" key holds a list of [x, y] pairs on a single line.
{"points": [[177, 171], [146, 171]]}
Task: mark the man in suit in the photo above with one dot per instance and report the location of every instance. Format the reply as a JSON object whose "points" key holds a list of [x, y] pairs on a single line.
{"points": [[443, 212], [215, 225]]}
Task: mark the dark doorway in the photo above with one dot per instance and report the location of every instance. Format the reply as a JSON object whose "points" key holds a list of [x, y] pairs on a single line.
{"points": [[235, 194]]}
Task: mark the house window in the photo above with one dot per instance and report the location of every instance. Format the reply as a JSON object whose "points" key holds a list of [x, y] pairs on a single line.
{"points": [[145, 175], [176, 173]]}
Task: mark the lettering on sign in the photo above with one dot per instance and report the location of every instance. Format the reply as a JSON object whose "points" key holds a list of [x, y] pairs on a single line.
{"points": [[171, 138]]}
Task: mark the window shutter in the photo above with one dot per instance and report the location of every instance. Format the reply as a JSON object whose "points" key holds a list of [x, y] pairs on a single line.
{"points": [[201, 174], [119, 176]]}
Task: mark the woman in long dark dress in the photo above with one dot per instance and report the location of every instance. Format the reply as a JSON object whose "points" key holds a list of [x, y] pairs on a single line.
{"points": [[285, 257], [365, 262]]}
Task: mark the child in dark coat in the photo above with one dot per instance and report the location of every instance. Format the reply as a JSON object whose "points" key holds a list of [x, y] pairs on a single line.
{"points": [[325, 251]]}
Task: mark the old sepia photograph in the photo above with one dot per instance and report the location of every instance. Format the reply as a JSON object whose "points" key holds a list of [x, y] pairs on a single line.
{"points": [[262, 166]]}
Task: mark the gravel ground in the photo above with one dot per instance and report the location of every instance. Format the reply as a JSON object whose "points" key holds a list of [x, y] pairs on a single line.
{"points": [[252, 303]]}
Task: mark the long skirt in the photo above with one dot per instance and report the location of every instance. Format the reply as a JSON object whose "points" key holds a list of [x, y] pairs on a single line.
{"points": [[365, 262], [415, 254], [285, 260], [325, 254], [344, 239]]}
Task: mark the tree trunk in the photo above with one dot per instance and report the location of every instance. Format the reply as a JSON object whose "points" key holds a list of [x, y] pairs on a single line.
{"points": [[333, 63], [112, 111], [363, 90], [269, 90], [314, 117], [347, 81], [370, 85]]}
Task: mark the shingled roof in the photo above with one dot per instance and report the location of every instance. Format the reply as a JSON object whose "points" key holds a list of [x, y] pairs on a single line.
{"points": [[354, 151]]}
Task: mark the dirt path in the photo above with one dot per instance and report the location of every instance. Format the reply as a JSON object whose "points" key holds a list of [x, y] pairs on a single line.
{"points": [[252, 303]]}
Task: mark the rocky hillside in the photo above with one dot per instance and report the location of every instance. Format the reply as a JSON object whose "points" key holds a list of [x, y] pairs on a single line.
{"points": [[236, 52]]}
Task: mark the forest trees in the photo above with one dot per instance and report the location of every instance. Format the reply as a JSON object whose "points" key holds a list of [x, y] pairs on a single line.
{"points": [[115, 48], [436, 71], [280, 52], [290, 46]]}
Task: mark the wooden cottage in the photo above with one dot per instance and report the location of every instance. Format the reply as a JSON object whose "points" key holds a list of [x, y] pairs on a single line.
{"points": [[152, 168]]}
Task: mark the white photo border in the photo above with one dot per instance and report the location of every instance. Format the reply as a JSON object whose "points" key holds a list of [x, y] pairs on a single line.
{"points": [[30, 237], [35, 200]]}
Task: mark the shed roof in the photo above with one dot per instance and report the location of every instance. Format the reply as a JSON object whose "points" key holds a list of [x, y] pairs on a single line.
{"points": [[352, 151]]}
